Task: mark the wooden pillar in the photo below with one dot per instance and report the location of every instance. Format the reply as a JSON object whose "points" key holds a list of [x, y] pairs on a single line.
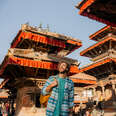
{"points": [[81, 99], [94, 91], [114, 85], [86, 92], [113, 82], [114, 90], [103, 91]]}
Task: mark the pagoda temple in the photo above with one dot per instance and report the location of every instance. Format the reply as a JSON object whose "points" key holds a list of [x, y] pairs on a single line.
{"points": [[31, 59], [100, 10], [103, 53], [103, 67]]}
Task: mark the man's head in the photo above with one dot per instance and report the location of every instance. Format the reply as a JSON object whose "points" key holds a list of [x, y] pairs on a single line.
{"points": [[63, 67]]}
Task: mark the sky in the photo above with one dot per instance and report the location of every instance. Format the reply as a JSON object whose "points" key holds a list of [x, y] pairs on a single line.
{"points": [[61, 16]]}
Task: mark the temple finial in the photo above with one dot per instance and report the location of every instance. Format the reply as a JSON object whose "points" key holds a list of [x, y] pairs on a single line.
{"points": [[40, 25], [48, 28], [27, 23]]}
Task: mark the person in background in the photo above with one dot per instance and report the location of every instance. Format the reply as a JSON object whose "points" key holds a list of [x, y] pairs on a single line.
{"points": [[101, 104], [76, 110], [0, 109], [94, 111], [87, 113], [4, 111], [60, 102]]}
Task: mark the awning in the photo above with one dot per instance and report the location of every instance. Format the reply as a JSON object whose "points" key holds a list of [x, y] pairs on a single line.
{"points": [[97, 64], [83, 78], [3, 83], [74, 43], [98, 19], [83, 81], [33, 63], [78, 102], [101, 33], [99, 10], [37, 38], [97, 44]]}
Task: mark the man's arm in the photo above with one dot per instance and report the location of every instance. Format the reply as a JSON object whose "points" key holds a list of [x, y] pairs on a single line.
{"points": [[50, 83], [53, 84]]}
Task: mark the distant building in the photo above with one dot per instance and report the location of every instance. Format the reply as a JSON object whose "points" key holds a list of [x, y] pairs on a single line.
{"points": [[103, 53]]}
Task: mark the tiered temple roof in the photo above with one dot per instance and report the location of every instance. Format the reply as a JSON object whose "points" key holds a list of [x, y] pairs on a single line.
{"points": [[105, 31], [101, 69], [45, 41], [103, 53], [103, 48], [101, 10], [83, 79], [35, 53]]}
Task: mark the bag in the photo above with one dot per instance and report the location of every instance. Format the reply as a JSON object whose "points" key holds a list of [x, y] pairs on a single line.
{"points": [[44, 99]]}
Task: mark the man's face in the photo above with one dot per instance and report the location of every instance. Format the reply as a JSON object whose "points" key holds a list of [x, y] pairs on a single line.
{"points": [[62, 67]]}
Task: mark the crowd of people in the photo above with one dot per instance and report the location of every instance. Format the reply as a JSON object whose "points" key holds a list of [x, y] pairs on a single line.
{"points": [[6, 109], [93, 108]]}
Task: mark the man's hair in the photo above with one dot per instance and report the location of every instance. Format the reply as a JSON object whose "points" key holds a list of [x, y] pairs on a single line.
{"points": [[68, 65]]}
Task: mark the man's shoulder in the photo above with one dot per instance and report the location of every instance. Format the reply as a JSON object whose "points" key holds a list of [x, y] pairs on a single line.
{"points": [[69, 80], [52, 76]]}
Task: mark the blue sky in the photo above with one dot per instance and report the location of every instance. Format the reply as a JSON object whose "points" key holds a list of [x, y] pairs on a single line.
{"points": [[61, 15]]}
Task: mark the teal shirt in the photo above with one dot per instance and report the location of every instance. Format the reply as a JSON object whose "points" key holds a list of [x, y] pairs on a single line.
{"points": [[61, 84]]}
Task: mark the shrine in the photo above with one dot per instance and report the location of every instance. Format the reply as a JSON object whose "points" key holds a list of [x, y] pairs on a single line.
{"points": [[31, 59], [103, 53], [100, 10], [103, 66]]}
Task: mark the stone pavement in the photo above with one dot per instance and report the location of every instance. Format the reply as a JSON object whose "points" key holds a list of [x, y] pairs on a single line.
{"points": [[110, 114], [32, 112]]}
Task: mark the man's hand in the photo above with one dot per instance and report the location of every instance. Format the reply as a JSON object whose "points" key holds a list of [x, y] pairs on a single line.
{"points": [[53, 84], [71, 111]]}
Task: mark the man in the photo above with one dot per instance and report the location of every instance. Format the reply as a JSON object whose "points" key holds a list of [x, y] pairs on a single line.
{"points": [[61, 88]]}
